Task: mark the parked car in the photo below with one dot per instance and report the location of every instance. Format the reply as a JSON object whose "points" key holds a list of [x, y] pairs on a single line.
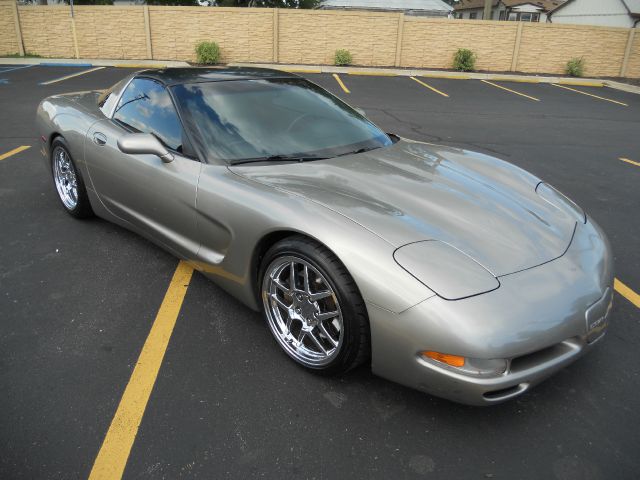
{"points": [[447, 270]]}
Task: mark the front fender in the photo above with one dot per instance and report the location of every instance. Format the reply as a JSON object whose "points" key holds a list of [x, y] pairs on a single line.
{"points": [[235, 213]]}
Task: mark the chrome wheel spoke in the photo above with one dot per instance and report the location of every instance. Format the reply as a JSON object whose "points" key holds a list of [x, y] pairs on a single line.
{"points": [[327, 316], [320, 295], [275, 298], [292, 277], [306, 280], [315, 340], [277, 283], [327, 335]]}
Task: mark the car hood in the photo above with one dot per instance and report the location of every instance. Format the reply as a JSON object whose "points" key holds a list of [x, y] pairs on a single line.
{"points": [[412, 191]]}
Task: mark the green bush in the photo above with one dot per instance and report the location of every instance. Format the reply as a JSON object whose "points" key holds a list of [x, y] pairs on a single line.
{"points": [[342, 57], [26, 55], [464, 60], [575, 67], [208, 52]]}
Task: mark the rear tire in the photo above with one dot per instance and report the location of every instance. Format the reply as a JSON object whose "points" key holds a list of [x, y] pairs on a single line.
{"points": [[313, 307], [68, 181]]}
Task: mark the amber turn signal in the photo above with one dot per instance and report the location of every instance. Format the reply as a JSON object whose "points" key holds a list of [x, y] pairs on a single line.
{"points": [[453, 360]]}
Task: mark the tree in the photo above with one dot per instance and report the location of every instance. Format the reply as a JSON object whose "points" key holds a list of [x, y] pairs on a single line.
{"points": [[185, 3], [488, 6], [270, 3], [91, 2]]}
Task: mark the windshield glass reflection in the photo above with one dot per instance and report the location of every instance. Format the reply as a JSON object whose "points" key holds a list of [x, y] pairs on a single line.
{"points": [[237, 120]]}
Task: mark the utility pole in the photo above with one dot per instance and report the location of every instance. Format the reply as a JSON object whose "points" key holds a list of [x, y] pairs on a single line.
{"points": [[487, 9]]}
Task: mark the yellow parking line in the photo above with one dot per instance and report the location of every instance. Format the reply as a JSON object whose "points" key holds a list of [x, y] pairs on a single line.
{"points": [[14, 151], [590, 95], [626, 292], [637, 164], [71, 76], [512, 91], [429, 87], [114, 453], [339, 80]]}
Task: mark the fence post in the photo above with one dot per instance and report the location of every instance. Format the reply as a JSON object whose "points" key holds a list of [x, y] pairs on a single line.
{"points": [[627, 52], [16, 17], [276, 34], [516, 47], [147, 31], [74, 35], [399, 39]]}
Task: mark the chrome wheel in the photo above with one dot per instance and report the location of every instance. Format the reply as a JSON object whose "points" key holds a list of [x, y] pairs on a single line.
{"points": [[302, 311], [64, 176]]}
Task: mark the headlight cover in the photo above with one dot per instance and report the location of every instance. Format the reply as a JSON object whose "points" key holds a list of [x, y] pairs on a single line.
{"points": [[473, 367], [560, 201], [447, 271]]}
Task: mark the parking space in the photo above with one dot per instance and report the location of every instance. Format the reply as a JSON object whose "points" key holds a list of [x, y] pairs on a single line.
{"points": [[79, 298]]}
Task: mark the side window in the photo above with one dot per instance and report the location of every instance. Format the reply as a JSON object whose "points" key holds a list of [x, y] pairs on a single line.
{"points": [[146, 107]]}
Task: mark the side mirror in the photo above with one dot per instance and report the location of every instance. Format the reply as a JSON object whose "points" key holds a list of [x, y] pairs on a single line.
{"points": [[144, 143], [360, 111]]}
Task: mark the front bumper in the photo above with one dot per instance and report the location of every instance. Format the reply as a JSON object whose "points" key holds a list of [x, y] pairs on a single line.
{"points": [[538, 319]]}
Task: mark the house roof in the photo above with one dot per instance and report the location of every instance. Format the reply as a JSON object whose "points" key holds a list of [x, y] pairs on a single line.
{"points": [[466, 4], [633, 6], [546, 5], [417, 5]]}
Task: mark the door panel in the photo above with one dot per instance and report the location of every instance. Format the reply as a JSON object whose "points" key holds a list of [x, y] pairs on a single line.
{"points": [[158, 198]]}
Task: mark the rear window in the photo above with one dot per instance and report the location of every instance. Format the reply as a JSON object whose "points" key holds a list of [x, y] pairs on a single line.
{"points": [[107, 101]]}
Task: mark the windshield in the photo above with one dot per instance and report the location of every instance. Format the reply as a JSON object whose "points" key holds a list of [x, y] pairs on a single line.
{"points": [[273, 119]]}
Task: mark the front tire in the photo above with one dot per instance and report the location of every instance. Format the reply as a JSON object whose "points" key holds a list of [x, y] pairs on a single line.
{"points": [[68, 181], [313, 307]]}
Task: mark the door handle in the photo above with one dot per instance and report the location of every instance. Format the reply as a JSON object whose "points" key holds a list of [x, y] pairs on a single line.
{"points": [[99, 138]]}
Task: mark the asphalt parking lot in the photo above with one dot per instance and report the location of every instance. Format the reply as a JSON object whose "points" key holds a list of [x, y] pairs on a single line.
{"points": [[78, 299]]}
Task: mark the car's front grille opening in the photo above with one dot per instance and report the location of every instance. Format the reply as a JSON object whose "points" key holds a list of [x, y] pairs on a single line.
{"points": [[538, 357]]}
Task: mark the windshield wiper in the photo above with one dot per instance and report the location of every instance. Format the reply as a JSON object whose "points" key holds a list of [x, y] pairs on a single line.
{"points": [[360, 150], [293, 158], [277, 158]]}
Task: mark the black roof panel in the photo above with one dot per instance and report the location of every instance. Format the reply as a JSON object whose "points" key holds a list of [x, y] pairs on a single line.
{"points": [[172, 76]]}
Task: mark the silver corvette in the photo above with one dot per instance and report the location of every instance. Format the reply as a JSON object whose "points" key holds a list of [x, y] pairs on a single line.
{"points": [[447, 270]]}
